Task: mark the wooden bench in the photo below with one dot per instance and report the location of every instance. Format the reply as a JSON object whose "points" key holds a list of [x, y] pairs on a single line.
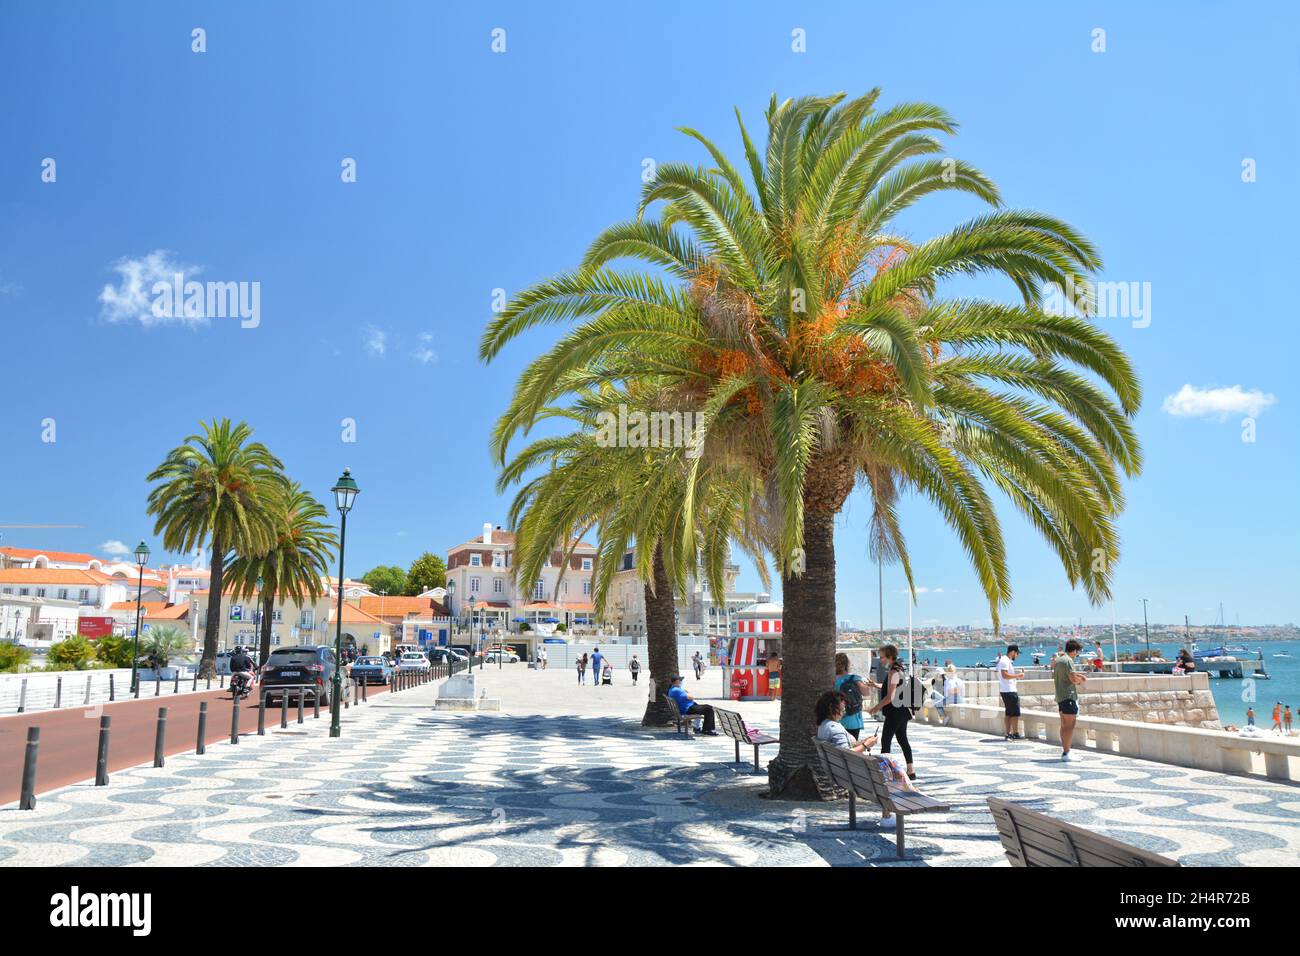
{"points": [[861, 776], [683, 720], [733, 725], [1031, 838]]}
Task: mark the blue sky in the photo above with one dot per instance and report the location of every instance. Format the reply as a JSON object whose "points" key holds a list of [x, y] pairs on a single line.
{"points": [[479, 170]]}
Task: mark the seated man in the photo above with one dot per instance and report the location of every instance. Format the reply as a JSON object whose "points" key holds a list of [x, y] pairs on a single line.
{"points": [[686, 704]]}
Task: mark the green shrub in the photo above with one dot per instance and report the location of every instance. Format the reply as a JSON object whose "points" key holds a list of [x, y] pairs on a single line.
{"points": [[13, 657], [113, 651], [70, 654]]}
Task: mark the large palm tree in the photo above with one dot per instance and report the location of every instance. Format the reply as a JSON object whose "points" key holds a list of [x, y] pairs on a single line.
{"points": [[814, 341], [219, 486], [300, 554]]}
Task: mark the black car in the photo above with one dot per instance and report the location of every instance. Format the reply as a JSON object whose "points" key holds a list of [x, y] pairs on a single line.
{"points": [[288, 668]]}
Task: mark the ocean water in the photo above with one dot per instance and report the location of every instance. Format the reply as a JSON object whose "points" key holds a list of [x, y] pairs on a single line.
{"points": [[1231, 696]]}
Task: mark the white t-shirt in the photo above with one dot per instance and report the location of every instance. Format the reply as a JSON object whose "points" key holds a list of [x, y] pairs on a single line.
{"points": [[1006, 664]]}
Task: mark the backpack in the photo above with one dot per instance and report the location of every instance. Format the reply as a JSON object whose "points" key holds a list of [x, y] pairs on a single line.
{"points": [[911, 694], [852, 695]]}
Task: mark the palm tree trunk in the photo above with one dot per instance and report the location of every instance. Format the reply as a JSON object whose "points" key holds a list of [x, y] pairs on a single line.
{"points": [[264, 644], [208, 662], [808, 636], [661, 637]]}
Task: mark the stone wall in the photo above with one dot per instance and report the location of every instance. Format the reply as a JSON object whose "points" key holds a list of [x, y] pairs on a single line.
{"points": [[1184, 701]]}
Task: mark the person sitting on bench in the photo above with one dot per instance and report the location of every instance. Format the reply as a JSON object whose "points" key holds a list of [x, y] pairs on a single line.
{"points": [[828, 710], [686, 704]]}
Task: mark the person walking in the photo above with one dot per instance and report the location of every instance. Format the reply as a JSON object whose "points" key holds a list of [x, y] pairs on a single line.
{"points": [[597, 663], [541, 656], [697, 662], [896, 712], [582, 669], [854, 690], [1250, 716], [634, 668], [1068, 680], [1277, 717], [1007, 677], [1286, 718]]}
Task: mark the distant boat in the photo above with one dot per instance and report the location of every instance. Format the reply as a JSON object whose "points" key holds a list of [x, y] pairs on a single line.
{"points": [[1281, 654]]}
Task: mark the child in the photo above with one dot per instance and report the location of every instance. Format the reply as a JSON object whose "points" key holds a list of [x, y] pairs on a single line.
{"points": [[607, 673], [1250, 716]]}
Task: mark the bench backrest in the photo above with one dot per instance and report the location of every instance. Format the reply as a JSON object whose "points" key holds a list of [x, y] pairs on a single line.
{"points": [[1031, 838], [673, 708], [858, 773], [732, 724]]}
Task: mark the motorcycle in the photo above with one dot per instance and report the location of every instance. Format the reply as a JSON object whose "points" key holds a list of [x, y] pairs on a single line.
{"points": [[240, 685]]}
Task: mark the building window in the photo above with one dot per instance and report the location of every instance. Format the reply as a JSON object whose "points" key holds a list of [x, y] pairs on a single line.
{"points": [[586, 564], [476, 560], [566, 587], [40, 592], [497, 585], [307, 618], [8, 590], [498, 560], [63, 594], [277, 615], [539, 590], [83, 597], [586, 589], [23, 592], [473, 585]]}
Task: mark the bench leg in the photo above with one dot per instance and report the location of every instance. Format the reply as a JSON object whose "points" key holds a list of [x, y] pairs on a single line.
{"points": [[757, 769], [737, 760], [853, 811], [898, 830]]}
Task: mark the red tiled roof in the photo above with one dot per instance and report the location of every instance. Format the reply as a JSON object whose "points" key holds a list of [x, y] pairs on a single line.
{"points": [[398, 605], [53, 576], [66, 556]]}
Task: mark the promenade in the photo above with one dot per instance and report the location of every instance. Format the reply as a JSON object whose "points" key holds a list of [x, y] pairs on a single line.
{"points": [[565, 775]]}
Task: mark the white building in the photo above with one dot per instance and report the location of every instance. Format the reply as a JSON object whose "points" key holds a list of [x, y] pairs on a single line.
{"points": [[698, 612], [481, 584]]}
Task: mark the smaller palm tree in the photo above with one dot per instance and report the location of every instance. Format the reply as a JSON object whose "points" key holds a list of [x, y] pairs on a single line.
{"points": [[302, 551]]}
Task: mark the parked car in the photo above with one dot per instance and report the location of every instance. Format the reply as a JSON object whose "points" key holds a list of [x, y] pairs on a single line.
{"points": [[372, 670], [413, 662], [505, 654], [298, 665], [441, 655]]}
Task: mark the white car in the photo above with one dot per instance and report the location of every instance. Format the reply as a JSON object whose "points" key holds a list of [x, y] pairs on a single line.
{"points": [[508, 656], [413, 662]]}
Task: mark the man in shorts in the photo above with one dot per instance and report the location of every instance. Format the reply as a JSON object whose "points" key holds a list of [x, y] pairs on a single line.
{"points": [[1068, 680], [1007, 677]]}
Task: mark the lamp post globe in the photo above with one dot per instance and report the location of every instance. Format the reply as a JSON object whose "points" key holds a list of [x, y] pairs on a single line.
{"points": [[345, 493], [141, 559]]}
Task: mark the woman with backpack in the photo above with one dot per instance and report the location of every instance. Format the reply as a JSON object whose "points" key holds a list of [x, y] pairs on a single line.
{"points": [[582, 669], [855, 690], [894, 704]]}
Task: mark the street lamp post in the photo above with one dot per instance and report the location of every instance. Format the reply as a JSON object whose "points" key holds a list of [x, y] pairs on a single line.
{"points": [[141, 559], [345, 492]]}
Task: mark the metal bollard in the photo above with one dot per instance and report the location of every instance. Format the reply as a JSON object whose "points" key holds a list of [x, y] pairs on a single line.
{"points": [[234, 721], [135, 684], [157, 684], [261, 714], [209, 682], [176, 684], [27, 801], [315, 703], [88, 679], [284, 710], [160, 738], [222, 683], [58, 693], [101, 760], [203, 728], [112, 691], [195, 685], [22, 696], [302, 702], [364, 685]]}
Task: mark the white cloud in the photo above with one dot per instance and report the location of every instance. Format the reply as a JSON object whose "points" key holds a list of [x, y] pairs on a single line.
{"points": [[425, 353], [923, 590], [132, 298], [376, 341], [1217, 404], [115, 548]]}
